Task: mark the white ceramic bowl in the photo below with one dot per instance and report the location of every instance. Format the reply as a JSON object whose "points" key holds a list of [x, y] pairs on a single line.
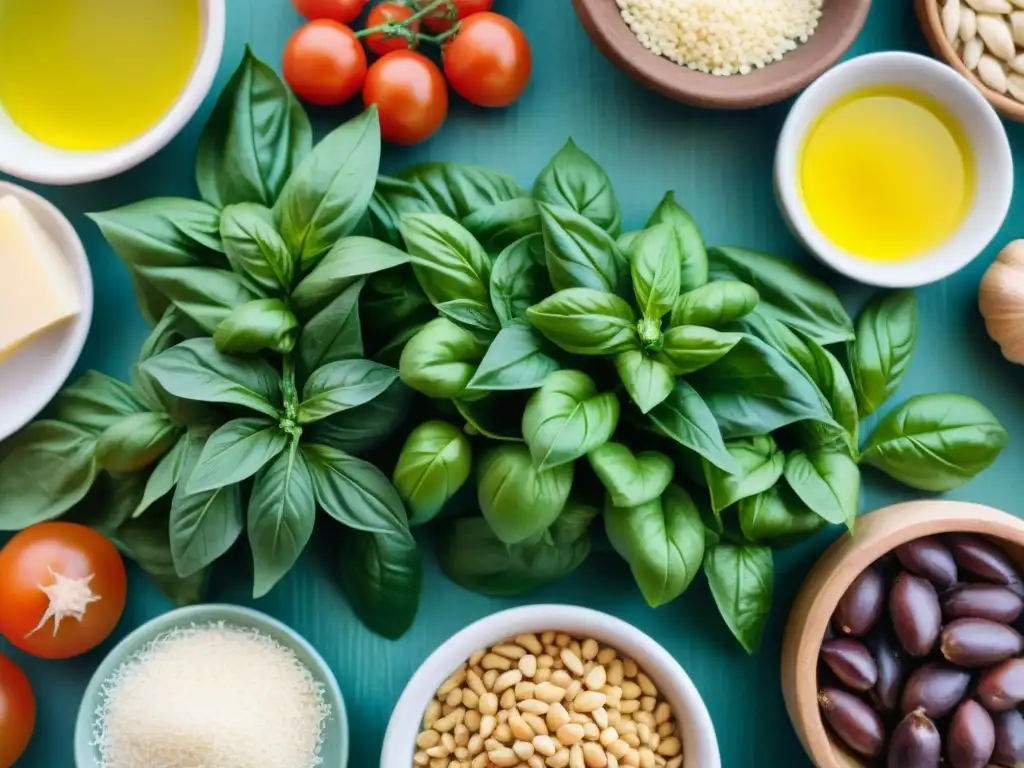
{"points": [[26, 158], [31, 376], [993, 165], [700, 746]]}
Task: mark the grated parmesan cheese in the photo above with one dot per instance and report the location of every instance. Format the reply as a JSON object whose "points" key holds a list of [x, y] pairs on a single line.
{"points": [[722, 37], [211, 696]]}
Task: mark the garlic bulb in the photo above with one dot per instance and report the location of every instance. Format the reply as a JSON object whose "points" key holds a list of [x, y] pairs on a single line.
{"points": [[1001, 301]]}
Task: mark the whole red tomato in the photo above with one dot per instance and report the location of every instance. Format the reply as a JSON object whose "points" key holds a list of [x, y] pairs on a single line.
{"points": [[324, 63], [488, 62], [382, 14], [410, 94], [17, 712], [343, 11], [62, 590], [441, 21]]}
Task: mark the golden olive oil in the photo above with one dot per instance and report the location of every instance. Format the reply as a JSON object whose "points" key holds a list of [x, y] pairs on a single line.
{"points": [[94, 74], [887, 174]]}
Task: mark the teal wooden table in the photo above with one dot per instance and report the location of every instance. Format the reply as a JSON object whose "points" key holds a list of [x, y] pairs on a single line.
{"points": [[720, 166]]}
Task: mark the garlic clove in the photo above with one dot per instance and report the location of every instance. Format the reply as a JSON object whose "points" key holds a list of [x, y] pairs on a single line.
{"points": [[973, 52], [1001, 301], [951, 19], [998, 35], [992, 74], [968, 23]]}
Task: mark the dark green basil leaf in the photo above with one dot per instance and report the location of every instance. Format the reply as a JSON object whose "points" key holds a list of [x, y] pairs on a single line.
{"points": [[881, 353], [95, 402], [648, 381], [518, 501], [572, 525], [758, 467], [497, 226], [578, 253], [631, 480], [350, 257], [343, 385], [136, 441], [236, 452], [573, 180], [828, 482], [586, 322], [496, 416], [255, 248], [473, 315], [517, 281], [257, 325], [441, 359], [147, 541], [205, 294], [655, 268], [778, 518], [390, 352], [689, 348], [448, 261], [360, 430], [935, 442], [335, 333], [152, 304], [715, 304], [517, 359], [458, 190], [392, 200], [434, 464], [686, 418], [689, 242], [256, 135], [393, 301], [742, 578], [829, 376], [165, 475]]}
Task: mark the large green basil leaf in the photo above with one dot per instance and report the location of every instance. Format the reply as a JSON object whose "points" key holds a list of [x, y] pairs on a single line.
{"points": [[517, 359], [334, 333], [354, 492], [165, 475], [778, 518], [147, 541], [715, 304], [95, 402], [205, 294], [787, 292], [689, 348], [828, 482], [390, 351], [777, 335], [881, 353], [631, 480], [936, 442], [574, 180], [392, 200], [473, 315], [648, 382], [578, 253], [256, 326], [328, 193], [458, 190], [742, 577], [567, 418], [195, 370], [689, 242], [136, 441], [440, 359], [517, 281], [663, 542], [256, 135], [655, 267], [518, 501], [584, 321], [498, 226], [393, 301], [448, 261], [173, 328], [360, 430], [759, 465], [343, 385], [829, 376], [434, 464], [349, 258], [282, 511], [497, 416], [236, 452], [255, 248], [686, 418]]}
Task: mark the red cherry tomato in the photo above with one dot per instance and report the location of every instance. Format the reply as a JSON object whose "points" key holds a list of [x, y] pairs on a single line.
{"points": [[382, 14], [410, 94], [343, 11], [324, 63], [489, 61], [62, 590], [441, 21], [17, 712]]}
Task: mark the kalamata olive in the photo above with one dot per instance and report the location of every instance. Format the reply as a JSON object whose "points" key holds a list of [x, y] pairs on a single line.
{"points": [[915, 613], [936, 689], [971, 737], [982, 601], [853, 721], [1009, 731], [860, 608], [892, 663], [915, 743], [977, 643], [1002, 687], [984, 559], [930, 559], [851, 662]]}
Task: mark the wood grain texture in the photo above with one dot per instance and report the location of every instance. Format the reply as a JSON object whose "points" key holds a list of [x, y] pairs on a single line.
{"points": [[720, 166]]}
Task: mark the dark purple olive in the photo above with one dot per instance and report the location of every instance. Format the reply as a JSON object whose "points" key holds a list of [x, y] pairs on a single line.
{"points": [[1002, 687], [915, 613], [984, 559], [915, 743], [936, 689], [1009, 728], [982, 601], [851, 662], [928, 558], [892, 663], [860, 608], [977, 643], [971, 737], [853, 721]]}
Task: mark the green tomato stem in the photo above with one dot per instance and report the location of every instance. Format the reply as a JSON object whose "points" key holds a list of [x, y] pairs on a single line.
{"points": [[401, 28], [288, 389]]}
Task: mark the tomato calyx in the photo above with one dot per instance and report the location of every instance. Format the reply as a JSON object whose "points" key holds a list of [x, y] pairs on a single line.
{"points": [[69, 598]]}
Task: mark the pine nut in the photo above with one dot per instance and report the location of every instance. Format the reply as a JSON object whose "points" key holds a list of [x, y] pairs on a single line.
{"points": [[494, 661], [523, 750], [528, 665], [594, 756], [560, 759], [590, 649], [530, 643], [572, 662], [570, 734], [556, 717], [596, 678], [536, 723], [453, 682], [506, 681], [670, 747], [545, 745], [534, 707], [549, 693], [506, 758], [600, 716], [604, 658], [576, 757], [524, 690]]}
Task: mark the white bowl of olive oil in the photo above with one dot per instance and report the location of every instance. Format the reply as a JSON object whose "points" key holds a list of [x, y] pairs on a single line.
{"points": [[90, 88], [894, 170]]}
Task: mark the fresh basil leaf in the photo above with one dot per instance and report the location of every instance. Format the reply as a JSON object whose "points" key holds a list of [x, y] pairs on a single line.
{"points": [[689, 348], [147, 541], [742, 579], [935, 442], [255, 249], [574, 180], [828, 482], [256, 135], [777, 335], [828, 375], [496, 416], [236, 452], [95, 402], [151, 302], [392, 200], [583, 321], [647, 381], [195, 370], [360, 430], [458, 190], [715, 304], [205, 294], [519, 501], [434, 464], [349, 258], [256, 326], [448, 261], [778, 518], [135, 442], [689, 242], [758, 467], [393, 301], [686, 418], [441, 359], [328, 193], [165, 476], [473, 315], [881, 353], [498, 226], [655, 268], [578, 253], [335, 333], [663, 542], [517, 281], [390, 352], [567, 418], [343, 385], [626, 239], [517, 359], [572, 525], [631, 480]]}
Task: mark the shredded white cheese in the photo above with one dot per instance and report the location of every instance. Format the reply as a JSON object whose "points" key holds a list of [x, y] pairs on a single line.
{"points": [[211, 696], [722, 37]]}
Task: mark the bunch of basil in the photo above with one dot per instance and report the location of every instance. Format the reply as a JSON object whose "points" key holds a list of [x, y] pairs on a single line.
{"points": [[252, 394], [693, 398]]}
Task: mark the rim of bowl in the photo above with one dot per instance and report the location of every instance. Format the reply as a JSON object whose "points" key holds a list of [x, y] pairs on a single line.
{"points": [[93, 166], [85, 756], [77, 330], [406, 718], [925, 269]]}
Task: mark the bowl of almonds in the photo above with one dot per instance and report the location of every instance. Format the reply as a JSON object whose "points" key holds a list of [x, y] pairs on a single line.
{"points": [[550, 686]]}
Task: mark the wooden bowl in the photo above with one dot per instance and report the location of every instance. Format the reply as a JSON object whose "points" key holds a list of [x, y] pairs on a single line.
{"points": [[931, 25], [875, 535], [841, 22]]}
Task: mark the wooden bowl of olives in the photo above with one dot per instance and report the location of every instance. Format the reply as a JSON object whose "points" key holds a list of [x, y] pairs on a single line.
{"points": [[905, 645]]}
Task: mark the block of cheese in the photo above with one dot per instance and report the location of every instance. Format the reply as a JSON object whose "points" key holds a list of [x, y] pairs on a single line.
{"points": [[38, 289]]}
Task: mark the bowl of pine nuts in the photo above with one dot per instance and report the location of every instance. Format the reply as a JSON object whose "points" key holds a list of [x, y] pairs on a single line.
{"points": [[550, 686]]}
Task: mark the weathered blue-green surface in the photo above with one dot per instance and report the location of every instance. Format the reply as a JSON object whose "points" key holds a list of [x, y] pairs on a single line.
{"points": [[720, 166]]}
